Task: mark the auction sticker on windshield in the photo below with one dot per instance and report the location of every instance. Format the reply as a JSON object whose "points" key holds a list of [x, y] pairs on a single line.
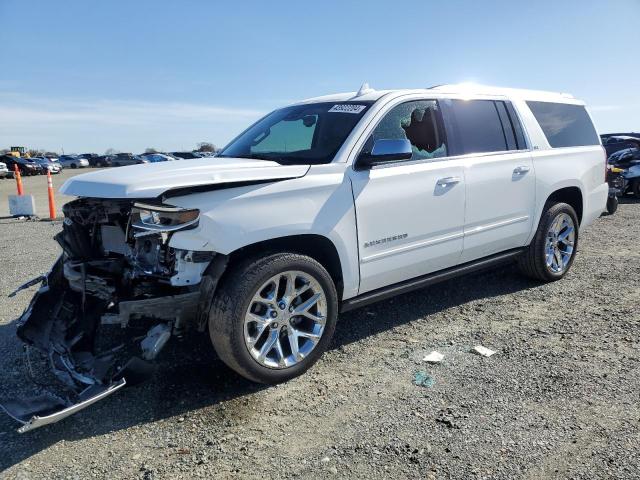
{"points": [[347, 108]]}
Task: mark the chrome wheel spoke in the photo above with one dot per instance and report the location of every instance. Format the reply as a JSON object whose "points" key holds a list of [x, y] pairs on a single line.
{"points": [[558, 258], [311, 336], [293, 343], [268, 344], [563, 236], [290, 286], [301, 290], [316, 318], [305, 306], [269, 298], [280, 352]]}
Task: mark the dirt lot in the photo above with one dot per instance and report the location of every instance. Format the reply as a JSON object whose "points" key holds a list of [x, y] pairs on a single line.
{"points": [[560, 399]]}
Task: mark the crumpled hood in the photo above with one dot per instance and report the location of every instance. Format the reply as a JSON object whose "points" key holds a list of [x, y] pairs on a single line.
{"points": [[153, 179]]}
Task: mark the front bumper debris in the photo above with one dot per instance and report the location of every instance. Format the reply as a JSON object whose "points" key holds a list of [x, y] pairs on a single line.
{"points": [[111, 276], [62, 325]]}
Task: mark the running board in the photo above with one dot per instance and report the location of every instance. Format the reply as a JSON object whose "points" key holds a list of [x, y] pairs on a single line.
{"points": [[430, 279]]}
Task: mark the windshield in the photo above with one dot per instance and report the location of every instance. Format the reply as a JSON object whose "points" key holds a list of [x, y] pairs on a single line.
{"points": [[301, 134]]}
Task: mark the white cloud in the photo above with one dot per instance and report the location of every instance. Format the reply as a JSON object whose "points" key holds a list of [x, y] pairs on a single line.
{"points": [[95, 125]]}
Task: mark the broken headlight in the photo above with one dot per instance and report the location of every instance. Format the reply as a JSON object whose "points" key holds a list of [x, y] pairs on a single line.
{"points": [[161, 218]]}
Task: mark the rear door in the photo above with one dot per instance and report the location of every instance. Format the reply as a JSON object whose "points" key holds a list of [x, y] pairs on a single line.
{"points": [[498, 172], [410, 214]]}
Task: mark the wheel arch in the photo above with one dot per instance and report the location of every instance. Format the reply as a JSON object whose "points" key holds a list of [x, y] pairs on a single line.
{"points": [[316, 246], [567, 193], [570, 195]]}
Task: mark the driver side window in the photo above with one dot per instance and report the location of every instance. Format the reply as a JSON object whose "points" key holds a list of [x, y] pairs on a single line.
{"points": [[420, 122]]}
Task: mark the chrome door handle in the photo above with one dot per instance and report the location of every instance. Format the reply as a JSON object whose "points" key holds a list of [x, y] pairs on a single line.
{"points": [[520, 170], [443, 182]]}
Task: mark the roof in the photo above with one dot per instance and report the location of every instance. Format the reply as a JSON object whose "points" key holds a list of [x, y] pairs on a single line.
{"points": [[457, 89]]}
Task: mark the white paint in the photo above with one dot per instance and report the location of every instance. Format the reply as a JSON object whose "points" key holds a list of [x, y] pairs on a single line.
{"points": [[153, 179]]}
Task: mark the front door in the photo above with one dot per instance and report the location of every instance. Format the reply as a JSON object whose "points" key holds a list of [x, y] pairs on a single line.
{"points": [[410, 214]]}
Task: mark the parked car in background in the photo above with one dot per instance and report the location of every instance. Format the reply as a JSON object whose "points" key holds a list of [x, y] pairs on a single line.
{"points": [[100, 161], [4, 170], [26, 165], [157, 157], [186, 155], [73, 161], [47, 164], [628, 162], [625, 158], [615, 143], [123, 159], [88, 156], [624, 134]]}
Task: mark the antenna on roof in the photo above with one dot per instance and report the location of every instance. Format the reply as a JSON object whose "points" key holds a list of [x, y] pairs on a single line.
{"points": [[364, 89]]}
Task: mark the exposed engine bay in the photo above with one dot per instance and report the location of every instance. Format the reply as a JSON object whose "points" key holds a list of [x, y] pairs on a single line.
{"points": [[117, 270]]}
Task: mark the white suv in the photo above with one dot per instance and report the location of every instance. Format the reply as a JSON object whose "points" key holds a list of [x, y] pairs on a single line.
{"points": [[318, 208]]}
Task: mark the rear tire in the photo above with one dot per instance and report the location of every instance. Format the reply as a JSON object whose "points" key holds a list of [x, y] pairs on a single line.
{"points": [[237, 337], [73, 165], [635, 188], [547, 251]]}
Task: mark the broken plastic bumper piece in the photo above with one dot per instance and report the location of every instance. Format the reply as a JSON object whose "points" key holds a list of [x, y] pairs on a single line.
{"points": [[46, 409]]}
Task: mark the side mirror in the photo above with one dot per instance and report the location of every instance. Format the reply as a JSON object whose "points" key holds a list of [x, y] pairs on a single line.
{"points": [[385, 151]]}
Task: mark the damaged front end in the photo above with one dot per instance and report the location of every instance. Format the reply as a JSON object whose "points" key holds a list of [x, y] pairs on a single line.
{"points": [[117, 270]]}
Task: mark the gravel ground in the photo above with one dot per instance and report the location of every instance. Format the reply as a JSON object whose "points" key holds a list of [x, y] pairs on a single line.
{"points": [[560, 399]]}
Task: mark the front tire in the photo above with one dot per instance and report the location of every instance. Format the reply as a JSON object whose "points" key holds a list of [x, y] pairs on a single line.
{"points": [[272, 318], [612, 205], [635, 188], [551, 253]]}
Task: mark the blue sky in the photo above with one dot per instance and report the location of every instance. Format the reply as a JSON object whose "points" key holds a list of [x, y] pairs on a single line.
{"points": [[87, 76]]}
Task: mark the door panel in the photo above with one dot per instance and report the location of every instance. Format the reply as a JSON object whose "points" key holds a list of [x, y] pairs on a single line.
{"points": [[410, 220], [500, 192]]}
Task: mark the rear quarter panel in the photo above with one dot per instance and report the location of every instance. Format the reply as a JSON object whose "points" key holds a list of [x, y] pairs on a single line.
{"points": [[556, 168]]}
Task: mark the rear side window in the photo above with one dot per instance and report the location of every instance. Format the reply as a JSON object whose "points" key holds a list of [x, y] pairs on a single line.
{"points": [[565, 125], [479, 127]]}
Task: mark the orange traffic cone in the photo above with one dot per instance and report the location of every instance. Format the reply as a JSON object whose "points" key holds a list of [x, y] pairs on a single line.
{"points": [[52, 202], [16, 171]]}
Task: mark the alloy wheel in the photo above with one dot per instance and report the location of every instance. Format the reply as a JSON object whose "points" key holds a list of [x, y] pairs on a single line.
{"points": [[285, 319], [559, 244]]}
